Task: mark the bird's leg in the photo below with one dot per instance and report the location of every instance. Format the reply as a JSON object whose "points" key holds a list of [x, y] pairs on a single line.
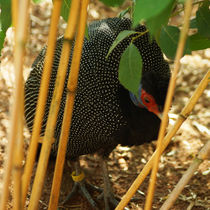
{"points": [[80, 184], [109, 197]]}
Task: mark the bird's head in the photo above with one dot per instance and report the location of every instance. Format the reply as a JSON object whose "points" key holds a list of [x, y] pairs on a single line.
{"points": [[152, 92]]}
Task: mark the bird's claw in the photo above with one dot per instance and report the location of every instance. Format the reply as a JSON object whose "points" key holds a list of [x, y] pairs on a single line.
{"points": [[81, 187]]}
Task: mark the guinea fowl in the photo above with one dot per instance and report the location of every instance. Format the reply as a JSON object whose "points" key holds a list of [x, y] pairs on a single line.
{"points": [[105, 113]]}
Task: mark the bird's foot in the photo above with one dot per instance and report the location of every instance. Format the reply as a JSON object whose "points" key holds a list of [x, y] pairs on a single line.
{"points": [[113, 199], [81, 186], [110, 200]]}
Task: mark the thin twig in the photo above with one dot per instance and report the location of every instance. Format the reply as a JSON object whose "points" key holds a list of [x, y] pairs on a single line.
{"points": [[181, 10]]}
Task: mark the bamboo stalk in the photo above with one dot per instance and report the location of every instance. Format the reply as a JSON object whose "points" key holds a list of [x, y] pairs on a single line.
{"points": [[54, 107], [16, 129], [182, 117], [18, 153], [18, 150], [41, 100], [72, 85], [169, 97], [18, 158], [15, 4], [203, 154]]}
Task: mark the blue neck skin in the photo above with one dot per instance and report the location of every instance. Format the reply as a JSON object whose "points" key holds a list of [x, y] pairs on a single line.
{"points": [[137, 101]]}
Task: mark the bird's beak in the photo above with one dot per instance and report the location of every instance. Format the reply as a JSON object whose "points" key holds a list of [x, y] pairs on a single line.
{"points": [[156, 111], [160, 115]]}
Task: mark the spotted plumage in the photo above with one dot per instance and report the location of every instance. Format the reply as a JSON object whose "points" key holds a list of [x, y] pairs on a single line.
{"points": [[104, 114]]}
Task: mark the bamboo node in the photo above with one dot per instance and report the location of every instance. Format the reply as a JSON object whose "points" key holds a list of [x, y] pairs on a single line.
{"points": [[71, 89], [42, 138], [68, 40], [183, 116], [77, 178], [199, 159], [18, 167], [22, 43]]}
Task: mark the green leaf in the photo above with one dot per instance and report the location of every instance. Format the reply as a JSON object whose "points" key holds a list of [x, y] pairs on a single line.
{"points": [[169, 38], [5, 14], [122, 35], [2, 37], [130, 68], [5, 20], [37, 1], [86, 32], [203, 19], [66, 4], [193, 23], [113, 3], [146, 9], [198, 42], [154, 24], [124, 12], [181, 1]]}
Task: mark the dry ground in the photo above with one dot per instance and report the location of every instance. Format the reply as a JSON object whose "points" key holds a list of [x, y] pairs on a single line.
{"points": [[124, 163]]}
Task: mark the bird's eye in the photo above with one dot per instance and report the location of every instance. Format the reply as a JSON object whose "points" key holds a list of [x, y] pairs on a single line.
{"points": [[146, 100]]}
